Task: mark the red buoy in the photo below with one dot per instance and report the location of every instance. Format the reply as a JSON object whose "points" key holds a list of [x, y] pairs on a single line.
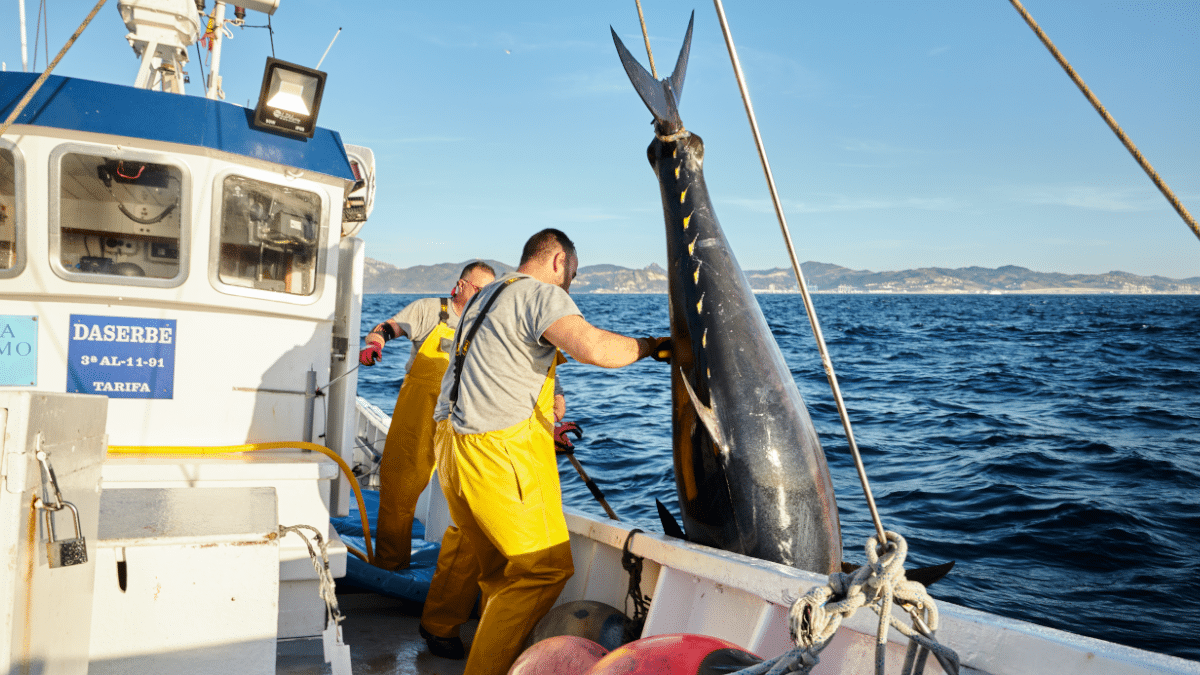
{"points": [[559, 655], [675, 654]]}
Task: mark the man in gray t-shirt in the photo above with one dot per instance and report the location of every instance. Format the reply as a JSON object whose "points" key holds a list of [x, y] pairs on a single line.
{"points": [[495, 447]]}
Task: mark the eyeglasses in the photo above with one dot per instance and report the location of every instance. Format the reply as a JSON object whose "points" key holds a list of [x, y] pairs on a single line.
{"points": [[477, 288]]}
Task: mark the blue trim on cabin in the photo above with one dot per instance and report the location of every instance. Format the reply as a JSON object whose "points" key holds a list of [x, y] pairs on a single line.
{"points": [[98, 107]]}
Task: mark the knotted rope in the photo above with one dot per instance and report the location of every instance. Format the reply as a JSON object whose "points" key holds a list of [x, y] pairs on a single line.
{"points": [[879, 584]]}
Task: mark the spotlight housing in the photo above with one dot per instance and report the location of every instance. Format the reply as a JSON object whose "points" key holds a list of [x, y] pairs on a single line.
{"points": [[290, 98]]}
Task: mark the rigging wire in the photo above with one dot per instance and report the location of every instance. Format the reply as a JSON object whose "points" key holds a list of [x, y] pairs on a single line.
{"points": [[20, 107], [37, 35], [808, 305], [200, 63], [1112, 123]]}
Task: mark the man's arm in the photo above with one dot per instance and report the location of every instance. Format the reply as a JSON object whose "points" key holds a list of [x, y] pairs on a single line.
{"points": [[588, 344], [375, 340], [383, 332], [560, 407]]}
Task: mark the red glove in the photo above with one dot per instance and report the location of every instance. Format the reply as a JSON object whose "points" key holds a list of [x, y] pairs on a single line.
{"points": [[562, 444], [371, 354]]}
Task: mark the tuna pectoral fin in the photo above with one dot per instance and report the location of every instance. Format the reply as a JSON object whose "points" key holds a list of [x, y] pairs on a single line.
{"points": [[706, 414], [670, 526]]}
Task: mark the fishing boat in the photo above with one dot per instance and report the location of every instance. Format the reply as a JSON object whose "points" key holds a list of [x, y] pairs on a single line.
{"points": [[163, 514]]}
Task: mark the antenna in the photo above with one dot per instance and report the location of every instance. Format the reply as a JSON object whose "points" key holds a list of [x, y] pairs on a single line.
{"points": [[335, 35]]}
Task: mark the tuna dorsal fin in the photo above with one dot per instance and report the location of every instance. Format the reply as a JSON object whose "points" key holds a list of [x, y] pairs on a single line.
{"points": [[662, 98], [707, 415]]}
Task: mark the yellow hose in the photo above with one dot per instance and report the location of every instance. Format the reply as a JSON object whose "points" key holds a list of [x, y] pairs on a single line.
{"points": [[250, 447]]}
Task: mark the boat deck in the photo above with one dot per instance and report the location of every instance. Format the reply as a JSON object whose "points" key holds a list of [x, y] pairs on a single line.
{"points": [[383, 639]]}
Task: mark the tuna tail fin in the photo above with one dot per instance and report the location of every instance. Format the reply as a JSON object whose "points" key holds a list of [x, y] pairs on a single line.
{"points": [[661, 97]]}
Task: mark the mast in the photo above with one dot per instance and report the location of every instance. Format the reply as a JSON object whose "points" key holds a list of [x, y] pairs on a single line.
{"points": [[24, 53], [214, 75]]}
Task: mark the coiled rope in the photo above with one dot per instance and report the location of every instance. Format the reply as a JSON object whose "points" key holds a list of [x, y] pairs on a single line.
{"points": [[880, 584], [328, 589]]}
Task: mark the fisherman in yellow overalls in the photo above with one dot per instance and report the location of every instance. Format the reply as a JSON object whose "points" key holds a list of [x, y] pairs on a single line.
{"points": [[408, 457], [495, 446]]}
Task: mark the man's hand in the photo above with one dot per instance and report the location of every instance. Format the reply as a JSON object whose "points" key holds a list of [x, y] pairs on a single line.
{"points": [[660, 348], [562, 444], [371, 354]]}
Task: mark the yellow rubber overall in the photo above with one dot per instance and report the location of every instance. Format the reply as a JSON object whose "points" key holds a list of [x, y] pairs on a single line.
{"points": [[504, 495], [408, 457]]}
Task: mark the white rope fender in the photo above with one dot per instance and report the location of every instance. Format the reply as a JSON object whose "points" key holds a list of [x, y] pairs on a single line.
{"points": [[815, 617], [337, 652]]}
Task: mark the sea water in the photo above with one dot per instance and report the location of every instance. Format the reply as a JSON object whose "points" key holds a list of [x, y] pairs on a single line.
{"points": [[1049, 444]]}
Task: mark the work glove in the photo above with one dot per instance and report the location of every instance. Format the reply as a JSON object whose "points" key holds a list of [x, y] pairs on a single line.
{"points": [[562, 444], [660, 348], [371, 354]]}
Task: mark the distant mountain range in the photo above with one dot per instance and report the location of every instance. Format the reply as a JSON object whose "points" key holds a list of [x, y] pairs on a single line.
{"points": [[380, 277]]}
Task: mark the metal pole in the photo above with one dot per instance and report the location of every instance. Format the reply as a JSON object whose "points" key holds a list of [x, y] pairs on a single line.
{"points": [[214, 76], [591, 485], [808, 305], [310, 404], [24, 54]]}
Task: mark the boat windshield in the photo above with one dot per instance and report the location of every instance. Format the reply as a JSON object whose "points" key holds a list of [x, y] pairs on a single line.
{"points": [[119, 219], [8, 212], [268, 236]]}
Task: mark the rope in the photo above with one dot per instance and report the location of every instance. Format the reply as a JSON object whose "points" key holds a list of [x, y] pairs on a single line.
{"points": [[646, 37], [1112, 123], [250, 447], [880, 584], [42, 78], [324, 575], [808, 304], [641, 603]]}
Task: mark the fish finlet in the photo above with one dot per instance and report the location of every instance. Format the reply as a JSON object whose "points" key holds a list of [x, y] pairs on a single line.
{"points": [[700, 304], [683, 195], [685, 220]]}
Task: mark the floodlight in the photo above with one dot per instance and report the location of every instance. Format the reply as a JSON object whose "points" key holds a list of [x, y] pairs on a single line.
{"points": [[290, 98]]}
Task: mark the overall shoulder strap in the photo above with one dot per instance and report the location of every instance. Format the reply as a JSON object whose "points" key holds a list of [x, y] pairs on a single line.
{"points": [[460, 351], [444, 316]]}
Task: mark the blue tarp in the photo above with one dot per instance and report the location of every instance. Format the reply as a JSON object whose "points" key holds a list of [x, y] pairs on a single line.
{"points": [[407, 584]]}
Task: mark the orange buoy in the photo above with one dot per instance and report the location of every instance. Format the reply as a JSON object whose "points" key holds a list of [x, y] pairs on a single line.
{"points": [[675, 654], [558, 655]]}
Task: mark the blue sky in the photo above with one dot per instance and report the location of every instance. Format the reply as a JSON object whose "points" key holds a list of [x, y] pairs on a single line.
{"points": [[901, 134]]}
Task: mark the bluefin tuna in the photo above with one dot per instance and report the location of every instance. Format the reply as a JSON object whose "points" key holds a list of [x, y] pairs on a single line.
{"points": [[749, 468]]}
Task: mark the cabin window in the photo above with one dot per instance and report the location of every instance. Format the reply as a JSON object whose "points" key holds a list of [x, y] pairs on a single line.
{"points": [[120, 219], [269, 236], [9, 250]]}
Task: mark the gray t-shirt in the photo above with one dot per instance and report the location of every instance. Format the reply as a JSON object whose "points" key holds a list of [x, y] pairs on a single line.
{"points": [[508, 360], [419, 318]]}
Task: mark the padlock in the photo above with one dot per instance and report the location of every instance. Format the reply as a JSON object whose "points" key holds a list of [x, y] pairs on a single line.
{"points": [[68, 551]]}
